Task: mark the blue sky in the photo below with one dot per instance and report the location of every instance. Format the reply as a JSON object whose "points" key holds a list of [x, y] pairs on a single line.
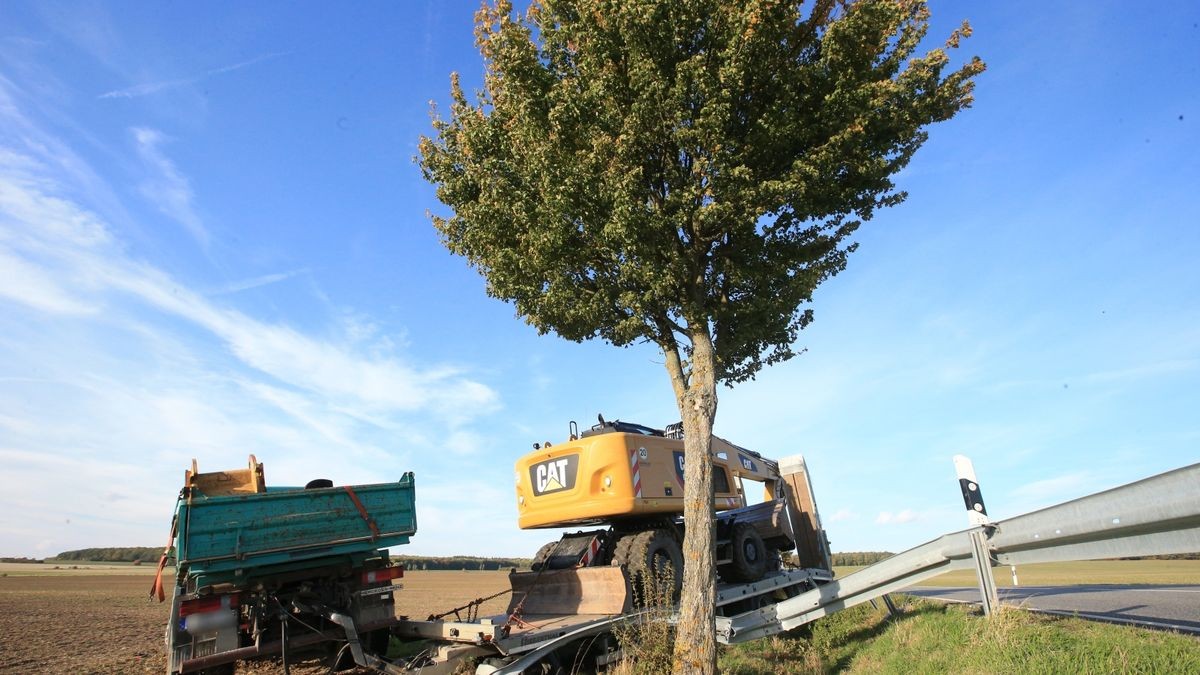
{"points": [[214, 242]]}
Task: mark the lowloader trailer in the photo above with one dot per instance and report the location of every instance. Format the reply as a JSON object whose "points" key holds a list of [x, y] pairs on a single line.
{"points": [[535, 636], [627, 480], [1159, 515]]}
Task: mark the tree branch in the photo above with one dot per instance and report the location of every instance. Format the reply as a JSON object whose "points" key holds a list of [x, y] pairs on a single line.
{"points": [[674, 363]]}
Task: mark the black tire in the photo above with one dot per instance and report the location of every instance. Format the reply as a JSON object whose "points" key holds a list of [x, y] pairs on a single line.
{"points": [[749, 554], [539, 559], [620, 556], [318, 483], [655, 558]]}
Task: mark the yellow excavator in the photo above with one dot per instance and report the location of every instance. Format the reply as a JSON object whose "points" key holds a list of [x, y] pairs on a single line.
{"points": [[626, 480]]}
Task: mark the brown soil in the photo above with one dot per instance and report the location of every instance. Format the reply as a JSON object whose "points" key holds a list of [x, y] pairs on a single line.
{"points": [[88, 623]]}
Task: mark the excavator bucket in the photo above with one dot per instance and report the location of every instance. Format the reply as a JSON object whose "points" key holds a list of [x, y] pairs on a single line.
{"points": [[585, 590]]}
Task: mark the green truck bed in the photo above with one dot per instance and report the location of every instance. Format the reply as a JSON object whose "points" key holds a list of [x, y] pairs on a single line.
{"points": [[229, 539]]}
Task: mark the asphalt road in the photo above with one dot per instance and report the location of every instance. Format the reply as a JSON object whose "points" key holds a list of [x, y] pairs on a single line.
{"points": [[1163, 607]]}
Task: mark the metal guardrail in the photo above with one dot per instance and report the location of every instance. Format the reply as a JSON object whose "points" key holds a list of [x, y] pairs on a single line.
{"points": [[1155, 516]]}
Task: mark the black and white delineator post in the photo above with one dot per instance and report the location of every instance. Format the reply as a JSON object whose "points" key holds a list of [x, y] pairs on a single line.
{"points": [[977, 515]]}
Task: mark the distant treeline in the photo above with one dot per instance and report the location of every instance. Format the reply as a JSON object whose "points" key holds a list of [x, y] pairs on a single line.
{"points": [[859, 558], [151, 554], [122, 554], [457, 562], [461, 562], [21, 560]]}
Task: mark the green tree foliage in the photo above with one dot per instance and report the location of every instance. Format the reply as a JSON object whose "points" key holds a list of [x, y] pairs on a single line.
{"points": [[859, 558], [684, 172], [421, 563], [113, 554], [151, 554]]}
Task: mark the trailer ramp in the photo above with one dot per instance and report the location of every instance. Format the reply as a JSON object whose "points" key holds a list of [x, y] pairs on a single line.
{"points": [[946, 553]]}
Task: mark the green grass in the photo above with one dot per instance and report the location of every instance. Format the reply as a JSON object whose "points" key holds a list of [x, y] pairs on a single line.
{"points": [[1072, 573], [930, 637]]}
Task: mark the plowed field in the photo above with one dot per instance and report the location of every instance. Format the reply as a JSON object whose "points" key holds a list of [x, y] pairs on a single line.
{"points": [[101, 621]]}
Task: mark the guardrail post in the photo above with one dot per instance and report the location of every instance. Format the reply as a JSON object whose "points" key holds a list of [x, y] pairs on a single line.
{"points": [[888, 604], [977, 515]]}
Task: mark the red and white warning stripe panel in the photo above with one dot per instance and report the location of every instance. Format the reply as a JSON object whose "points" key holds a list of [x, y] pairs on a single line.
{"points": [[590, 553], [636, 468]]}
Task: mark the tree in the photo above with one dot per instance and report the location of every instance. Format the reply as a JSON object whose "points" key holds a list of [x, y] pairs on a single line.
{"points": [[685, 173]]}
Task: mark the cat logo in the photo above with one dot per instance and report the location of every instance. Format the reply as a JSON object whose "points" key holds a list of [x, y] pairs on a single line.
{"points": [[554, 475], [747, 463]]}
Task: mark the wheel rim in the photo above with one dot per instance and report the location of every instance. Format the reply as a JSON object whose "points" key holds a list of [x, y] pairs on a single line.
{"points": [[750, 551]]}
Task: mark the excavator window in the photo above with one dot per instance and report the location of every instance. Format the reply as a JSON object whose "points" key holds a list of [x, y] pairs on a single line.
{"points": [[720, 480]]}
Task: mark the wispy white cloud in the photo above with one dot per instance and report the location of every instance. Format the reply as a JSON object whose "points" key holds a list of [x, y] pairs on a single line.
{"points": [[842, 515], [147, 88], [1145, 370], [31, 285], [899, 518], [116, 371], [464, 443], [73, 273], [21, 140], [166, 188], [257, 282]]}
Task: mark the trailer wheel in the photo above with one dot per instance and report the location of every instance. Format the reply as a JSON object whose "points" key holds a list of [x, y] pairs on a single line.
{"points": [[655, 559], [749, 553]]}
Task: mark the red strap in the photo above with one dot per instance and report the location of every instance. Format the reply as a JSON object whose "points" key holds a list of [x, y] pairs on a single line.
{"points": [[362, 511], [156, 589]]}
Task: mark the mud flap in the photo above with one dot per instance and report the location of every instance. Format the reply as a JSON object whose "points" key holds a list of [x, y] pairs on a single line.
{"points": [[586, 590]]}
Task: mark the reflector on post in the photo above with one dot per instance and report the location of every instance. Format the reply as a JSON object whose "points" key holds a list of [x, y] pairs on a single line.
{"points": [[972, 495], [980, 551]]}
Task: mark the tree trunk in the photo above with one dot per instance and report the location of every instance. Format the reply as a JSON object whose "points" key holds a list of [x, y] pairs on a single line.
{"points": [[695, 641]]}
